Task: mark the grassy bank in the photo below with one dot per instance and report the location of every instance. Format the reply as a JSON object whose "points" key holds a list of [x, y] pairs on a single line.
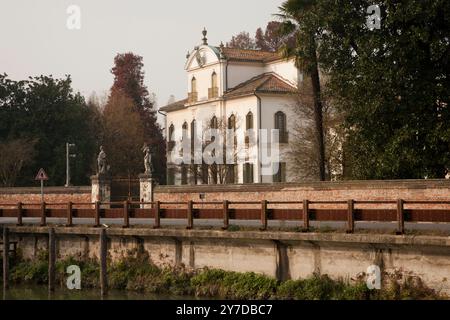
{"points": [[137, 273]]}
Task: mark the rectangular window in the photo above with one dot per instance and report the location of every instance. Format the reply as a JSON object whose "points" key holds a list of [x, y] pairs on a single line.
{"points": [[248, 172], [184, 174], [171, 176], [195, 174], [231, 174], [205, 173], [280, 176], [214, 173]]}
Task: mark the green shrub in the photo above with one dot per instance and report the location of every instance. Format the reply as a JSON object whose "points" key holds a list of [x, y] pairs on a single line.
{"points": [[136, 272]]}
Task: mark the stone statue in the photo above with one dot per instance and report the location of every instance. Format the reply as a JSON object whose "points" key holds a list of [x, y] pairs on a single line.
{"points": [[101, 162], [147, 159]]}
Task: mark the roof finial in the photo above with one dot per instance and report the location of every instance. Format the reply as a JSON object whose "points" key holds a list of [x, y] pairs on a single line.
{"points": [[222, 54], [205, 40]]}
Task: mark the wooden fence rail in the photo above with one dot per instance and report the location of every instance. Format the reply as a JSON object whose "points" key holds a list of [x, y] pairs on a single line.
{"points": [[304, 212]]}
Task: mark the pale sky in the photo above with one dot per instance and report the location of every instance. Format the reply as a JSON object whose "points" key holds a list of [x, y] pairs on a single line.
{"points": [[35, 40]]}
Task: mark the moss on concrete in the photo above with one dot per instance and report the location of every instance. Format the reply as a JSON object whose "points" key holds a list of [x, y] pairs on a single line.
{"points": [[136, 272]]}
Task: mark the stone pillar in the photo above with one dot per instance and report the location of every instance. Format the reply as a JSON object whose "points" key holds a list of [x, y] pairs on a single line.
{"points": [[101, 188], [146, 189]]}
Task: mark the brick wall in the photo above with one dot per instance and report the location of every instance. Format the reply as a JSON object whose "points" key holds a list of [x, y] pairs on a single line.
{"points": [[51, 195], [324, 191]]}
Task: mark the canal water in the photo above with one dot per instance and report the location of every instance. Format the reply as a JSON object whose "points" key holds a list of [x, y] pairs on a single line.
{"points": [[41, 293]]}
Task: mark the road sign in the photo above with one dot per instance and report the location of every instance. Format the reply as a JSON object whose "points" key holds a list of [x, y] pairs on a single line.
{"points": [[42, 176]]}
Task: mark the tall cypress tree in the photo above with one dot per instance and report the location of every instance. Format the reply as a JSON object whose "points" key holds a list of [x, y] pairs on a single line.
{"points": [[129, 81]]}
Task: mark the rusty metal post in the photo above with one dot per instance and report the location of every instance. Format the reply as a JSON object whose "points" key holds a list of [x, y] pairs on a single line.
{"points": [[69, 214], [263, 215], [401, 216], [97, 214], [190, 214], [226, 215], [305, 215], [126, 215], [157, 215], [43, 215], [19, 214], [51, 259], [351, 216], [103, 263], [5, 258]]}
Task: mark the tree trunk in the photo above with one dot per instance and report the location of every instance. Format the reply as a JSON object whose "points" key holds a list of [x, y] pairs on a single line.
{"points": [[318, 110]]}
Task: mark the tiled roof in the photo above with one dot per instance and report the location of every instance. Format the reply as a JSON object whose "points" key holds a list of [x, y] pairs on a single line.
{"points": [[264, 83], [179, 105], [250, 55]]}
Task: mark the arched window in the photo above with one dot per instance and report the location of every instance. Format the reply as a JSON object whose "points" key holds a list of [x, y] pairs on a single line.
{"points": [[232, 122], [213, 92], [193, 128], [171, 132], [194, 85], [214, 123], [194, 166], [214, 80], [249, 121], [193, 95], [193, 134], [232, 126], [184, 136], [171, 142], [280, 124], [185, 130]]}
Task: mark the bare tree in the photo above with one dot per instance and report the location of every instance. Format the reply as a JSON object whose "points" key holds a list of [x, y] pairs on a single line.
{"points": [[225, 172], [242, 41], [15, 154], [304, 144], [221, 171]]}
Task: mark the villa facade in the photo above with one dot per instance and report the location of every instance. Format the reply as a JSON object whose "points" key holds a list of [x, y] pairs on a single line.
{"points": [[242, 90]]}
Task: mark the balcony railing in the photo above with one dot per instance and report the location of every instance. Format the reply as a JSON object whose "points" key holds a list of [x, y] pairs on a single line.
{"points": [[192, 97], [213, 93]]}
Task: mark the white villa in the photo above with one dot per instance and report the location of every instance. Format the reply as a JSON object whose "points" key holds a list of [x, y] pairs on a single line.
{"points": [[246, 89]]}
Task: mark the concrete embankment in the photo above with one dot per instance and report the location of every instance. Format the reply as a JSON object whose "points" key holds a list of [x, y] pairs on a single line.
{"points": [[282, 255]]}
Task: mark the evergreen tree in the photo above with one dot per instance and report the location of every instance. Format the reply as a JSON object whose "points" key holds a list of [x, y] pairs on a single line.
{"points": [[392, 84], [38, 116], [129, 81]]}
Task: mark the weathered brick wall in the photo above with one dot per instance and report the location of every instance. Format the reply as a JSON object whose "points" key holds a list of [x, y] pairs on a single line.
{"points": [[51, 195], [323, 191], [326, 191]]}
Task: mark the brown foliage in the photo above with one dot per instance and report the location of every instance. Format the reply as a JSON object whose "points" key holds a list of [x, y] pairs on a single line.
{"points": [[123, 136], [242, 41], [129, 81]]}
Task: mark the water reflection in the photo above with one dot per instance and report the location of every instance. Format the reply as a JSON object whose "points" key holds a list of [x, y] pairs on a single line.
{"points": [[41, 293]]}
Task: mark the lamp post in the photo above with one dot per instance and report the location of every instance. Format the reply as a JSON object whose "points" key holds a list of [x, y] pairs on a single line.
{"points": [[68, 156]]}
